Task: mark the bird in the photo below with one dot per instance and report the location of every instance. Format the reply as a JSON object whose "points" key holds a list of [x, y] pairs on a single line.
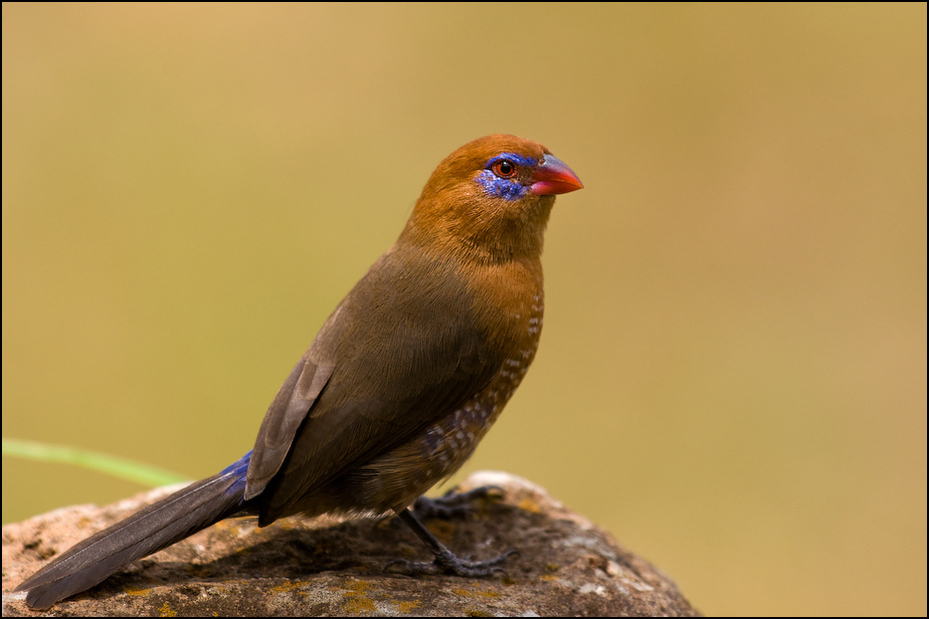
{"points": [[398, 387]]}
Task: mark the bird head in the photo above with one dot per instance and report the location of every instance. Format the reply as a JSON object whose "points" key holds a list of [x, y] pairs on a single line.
{"points": [[490, 200]]}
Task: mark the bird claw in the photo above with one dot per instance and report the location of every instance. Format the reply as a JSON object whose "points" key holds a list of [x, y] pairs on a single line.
{"points": [[450, 564], [453, 504]]}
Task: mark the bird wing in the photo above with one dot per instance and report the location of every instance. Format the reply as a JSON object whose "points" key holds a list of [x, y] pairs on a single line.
{"points": [[279, 426], [400, 351]]}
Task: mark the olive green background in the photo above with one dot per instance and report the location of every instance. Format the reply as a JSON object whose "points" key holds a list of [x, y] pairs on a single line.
{"points": [[732, 375]]}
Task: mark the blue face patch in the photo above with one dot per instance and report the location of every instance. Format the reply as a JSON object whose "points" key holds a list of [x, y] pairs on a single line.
{"points": [[506, 188]]}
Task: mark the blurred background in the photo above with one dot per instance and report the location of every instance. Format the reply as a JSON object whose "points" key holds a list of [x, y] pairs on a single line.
{"points": [[732, 377]]}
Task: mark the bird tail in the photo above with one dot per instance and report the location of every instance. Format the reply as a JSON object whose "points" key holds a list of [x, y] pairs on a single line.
{"points": [[157, 526]]}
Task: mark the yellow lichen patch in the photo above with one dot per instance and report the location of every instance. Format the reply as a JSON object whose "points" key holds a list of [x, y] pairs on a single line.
{"points": [[358, 605], [138, 592], [356, 601], [288, 586], [550, 578], [530, 506], [356, 587], [166, 611], [404, 608]]}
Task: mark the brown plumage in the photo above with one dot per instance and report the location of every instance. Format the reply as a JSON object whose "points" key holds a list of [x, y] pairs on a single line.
{"points": [[400, 384]]}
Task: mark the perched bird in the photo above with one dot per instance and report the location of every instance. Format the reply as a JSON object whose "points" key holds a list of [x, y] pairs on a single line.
{"points": [[399, 386]]}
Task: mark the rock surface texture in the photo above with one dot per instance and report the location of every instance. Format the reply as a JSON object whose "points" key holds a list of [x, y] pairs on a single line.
{"points": [[325, 566]]}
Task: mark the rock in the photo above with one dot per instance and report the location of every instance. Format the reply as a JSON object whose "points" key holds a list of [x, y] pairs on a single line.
{"points": [[330, 566]]}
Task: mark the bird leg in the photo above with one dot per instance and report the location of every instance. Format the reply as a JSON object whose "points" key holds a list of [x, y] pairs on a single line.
{"points": [[445, 560], [453, 504]]}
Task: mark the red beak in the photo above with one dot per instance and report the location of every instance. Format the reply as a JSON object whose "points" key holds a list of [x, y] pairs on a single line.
{"points": [[554, 176]]}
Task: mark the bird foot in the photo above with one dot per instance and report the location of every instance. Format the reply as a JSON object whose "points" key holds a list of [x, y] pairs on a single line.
{"points": [[448, 563], [454, 504]]}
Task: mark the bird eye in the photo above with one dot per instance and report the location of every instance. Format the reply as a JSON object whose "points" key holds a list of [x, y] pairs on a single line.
{"points": [[504, 169]]}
